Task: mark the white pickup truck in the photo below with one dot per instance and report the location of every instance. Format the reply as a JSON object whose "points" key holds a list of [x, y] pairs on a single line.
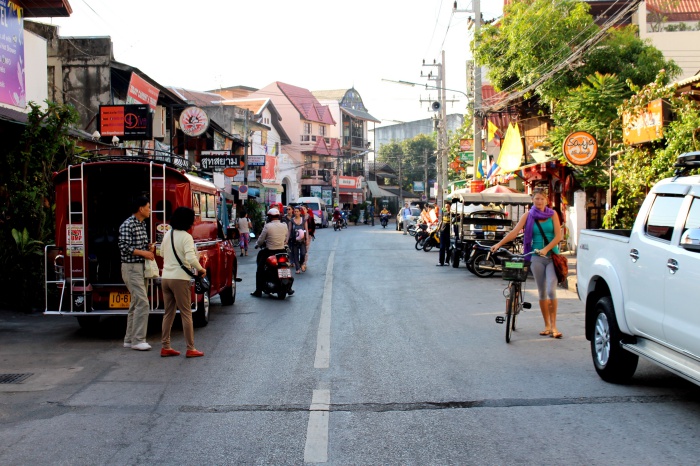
{"points": [[638, 285]]}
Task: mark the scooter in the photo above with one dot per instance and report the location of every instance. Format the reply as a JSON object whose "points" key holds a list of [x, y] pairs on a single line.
{"points": [[481, 262], [421, 235], [384, 220], [278, 274], [338, 224]]}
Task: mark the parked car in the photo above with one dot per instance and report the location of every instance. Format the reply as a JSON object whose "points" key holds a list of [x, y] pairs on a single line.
{"points": [[638, 285], [415, 215]]}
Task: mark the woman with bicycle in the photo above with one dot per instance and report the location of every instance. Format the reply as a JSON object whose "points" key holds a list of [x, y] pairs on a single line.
{"points": [[540, 224]]}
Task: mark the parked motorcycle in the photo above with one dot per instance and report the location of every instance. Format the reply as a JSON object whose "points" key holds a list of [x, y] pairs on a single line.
{"points": [[278, 274], [421, 235], [384, 220], [481, 262], [432, 241]]}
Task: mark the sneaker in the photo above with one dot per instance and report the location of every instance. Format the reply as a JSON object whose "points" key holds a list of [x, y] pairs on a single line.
{"points": [[127, 345], [141, 346]]}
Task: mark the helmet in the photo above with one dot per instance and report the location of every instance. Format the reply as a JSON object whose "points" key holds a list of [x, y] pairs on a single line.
{"points": [[337, 208], [273, 211]]}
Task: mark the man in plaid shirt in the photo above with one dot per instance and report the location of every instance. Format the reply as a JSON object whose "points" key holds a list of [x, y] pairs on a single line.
{"points": [[135, 248]]}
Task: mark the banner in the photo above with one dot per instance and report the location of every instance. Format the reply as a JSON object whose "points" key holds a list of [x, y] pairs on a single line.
{"points": [[269, 171], [511, 153], [140, 92], [12, 82]]}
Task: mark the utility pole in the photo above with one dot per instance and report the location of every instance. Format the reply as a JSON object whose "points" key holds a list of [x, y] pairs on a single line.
{"points": [[441, 111], [478, 123]]}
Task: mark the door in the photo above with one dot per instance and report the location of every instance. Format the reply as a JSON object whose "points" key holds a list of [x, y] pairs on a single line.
{"points": [[646, 272], [682, 317]]}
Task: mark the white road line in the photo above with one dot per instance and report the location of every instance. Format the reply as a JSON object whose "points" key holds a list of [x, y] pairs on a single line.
{"points": [[316, 449], [323, 338]]}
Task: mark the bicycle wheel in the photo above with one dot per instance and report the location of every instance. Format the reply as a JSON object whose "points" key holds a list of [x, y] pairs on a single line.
{"points": [[511, 306], [517, 302]]}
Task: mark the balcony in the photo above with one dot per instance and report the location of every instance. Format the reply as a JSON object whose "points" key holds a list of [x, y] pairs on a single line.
{"points": [[309, 140], [357, 142]]}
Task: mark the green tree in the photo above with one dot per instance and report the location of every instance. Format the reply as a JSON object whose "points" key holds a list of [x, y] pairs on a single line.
{"points": [[536, 35], [412, 154], [27, 198]]}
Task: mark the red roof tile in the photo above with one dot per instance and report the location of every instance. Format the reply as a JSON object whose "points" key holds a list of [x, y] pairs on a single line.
{"points": [[306, 104], [678, 10]]}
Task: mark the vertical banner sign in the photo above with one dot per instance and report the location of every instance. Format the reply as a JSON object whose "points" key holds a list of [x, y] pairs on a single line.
{"points": [[140, 92], [12, 90], [269, 171]]}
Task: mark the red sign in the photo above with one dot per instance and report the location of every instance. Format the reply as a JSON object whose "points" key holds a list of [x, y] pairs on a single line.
{"points": [[194, 121], [141, 92], [268, 173], [466, 145], [580, 148], [129, 122], [230, 171]]}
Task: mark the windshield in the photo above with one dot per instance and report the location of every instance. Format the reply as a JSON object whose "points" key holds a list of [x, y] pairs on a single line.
{"points": [[312, 205]]}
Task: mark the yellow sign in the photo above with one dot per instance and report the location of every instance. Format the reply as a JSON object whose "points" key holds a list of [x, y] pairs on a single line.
{"points": [[580, 148], [649, 126]]}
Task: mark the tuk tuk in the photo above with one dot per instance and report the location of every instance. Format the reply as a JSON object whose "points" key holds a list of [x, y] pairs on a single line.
{"points": [[483, 217], [83, 267]]}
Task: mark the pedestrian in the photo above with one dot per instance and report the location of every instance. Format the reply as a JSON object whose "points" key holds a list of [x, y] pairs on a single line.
{"points": [[297, 239], [444, 229], [289, 213], [175, 282], [244, 225], [370, 212], [405, 217], [541, 263], [311, 234], [274, 236], [134, 247]]}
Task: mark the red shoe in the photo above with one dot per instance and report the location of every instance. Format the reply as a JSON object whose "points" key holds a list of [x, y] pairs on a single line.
{"points": [[194, 353], [165, 352]]}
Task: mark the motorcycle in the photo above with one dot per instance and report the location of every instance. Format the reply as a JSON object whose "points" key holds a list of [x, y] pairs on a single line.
{"points": [[338, 224], [384, 220], [278, 274], [344, 218], [432, 241], [421, 235], [480, 261]]}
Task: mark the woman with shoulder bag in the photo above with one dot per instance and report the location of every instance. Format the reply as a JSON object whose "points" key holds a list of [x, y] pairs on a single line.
{"points": [[539, 224], [175, 281], [297, 239], [244, 226]]}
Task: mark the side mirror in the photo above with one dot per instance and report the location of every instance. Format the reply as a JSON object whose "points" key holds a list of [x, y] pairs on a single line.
{"points": [[690, 240]]}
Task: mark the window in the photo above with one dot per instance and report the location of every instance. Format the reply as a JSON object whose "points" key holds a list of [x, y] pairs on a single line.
{"points": [[662, 216], [693, 220], [322, 130], [307, 128], [195, 204]]}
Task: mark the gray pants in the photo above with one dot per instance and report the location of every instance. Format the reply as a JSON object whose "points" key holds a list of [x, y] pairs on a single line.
{"points": [[137, 319], [545, 276]]}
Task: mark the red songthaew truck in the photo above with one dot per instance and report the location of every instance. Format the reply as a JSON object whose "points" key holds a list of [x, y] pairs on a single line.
{"points": [[83, 269]]}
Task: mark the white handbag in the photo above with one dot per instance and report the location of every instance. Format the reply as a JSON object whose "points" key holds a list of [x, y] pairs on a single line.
{"points": [[151, 270]]}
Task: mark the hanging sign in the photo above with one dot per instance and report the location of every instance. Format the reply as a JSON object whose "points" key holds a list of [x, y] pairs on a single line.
{"points": [[230, 171], [466, 145], [218, 159], [194, 121], [580, 148], [256, 160]]}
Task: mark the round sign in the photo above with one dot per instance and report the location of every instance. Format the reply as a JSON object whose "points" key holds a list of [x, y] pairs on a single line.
{"points": [[580, 148], [194, 121], [230, 171], [243, 189]]}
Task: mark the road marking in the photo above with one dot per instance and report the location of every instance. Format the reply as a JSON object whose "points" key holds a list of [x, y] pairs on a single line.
{"points": [[316, 449], [323, 338]]}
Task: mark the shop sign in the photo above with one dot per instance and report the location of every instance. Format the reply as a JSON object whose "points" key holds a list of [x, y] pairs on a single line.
{"points": [[141, 92], [256, 160], [230, 171], [75, 234], [12, 62], [649, 126], [194, 121], [580, 148], [218, 159], [466, 145], [129, 122]]}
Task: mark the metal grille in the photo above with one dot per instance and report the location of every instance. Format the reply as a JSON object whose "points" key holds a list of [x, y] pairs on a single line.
{"points": [[14, 378]]}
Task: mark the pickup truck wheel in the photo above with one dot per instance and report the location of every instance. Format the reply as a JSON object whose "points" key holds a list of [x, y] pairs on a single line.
{"points": [[201, 317], [612, 363], [228, 294]]}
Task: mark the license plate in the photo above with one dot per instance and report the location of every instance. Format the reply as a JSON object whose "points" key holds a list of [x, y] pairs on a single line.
{"points": [[119, 300], [284, 273], [489, 228]]}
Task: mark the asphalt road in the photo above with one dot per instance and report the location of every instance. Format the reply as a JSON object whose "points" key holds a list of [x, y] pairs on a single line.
{"points": [[379, 358]]}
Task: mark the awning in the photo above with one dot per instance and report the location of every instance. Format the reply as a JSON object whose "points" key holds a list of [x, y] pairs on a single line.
{"points": [[350, 190], [359, 114], [467, 197], [14, 116], [277, 187], [377, 191]]}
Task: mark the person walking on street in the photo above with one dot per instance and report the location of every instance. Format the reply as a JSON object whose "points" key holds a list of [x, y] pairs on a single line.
{"points": [[444, 229], [274, 236], [244, 226], [310, 234], [175, 282], [297, 239], [134, 247], [541, 265], [370, 213], [405, 217]]}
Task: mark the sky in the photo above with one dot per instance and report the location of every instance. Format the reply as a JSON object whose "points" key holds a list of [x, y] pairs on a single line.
{"points": [[314, 44]]}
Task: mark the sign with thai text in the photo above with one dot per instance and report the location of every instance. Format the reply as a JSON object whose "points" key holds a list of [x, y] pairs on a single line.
{"points": [[129, 122], [75, 234], [218, 159], [580, 148], [12, 67], [256, 160]]}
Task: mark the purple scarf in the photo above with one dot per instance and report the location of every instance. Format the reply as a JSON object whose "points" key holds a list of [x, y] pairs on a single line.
{"points": [[534, 214]]}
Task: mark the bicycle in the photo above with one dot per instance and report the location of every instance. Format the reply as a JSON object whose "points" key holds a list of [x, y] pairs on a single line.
{"points": [[515, 270]]}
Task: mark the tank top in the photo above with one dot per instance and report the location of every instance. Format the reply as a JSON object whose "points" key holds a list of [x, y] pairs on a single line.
{"points": [[295, 228], [537, 240]]}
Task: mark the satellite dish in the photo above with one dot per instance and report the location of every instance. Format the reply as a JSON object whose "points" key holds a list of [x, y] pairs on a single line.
{"points": [[435, 106]]}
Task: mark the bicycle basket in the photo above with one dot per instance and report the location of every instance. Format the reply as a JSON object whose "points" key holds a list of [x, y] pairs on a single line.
{"points": [[515, 269]]}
